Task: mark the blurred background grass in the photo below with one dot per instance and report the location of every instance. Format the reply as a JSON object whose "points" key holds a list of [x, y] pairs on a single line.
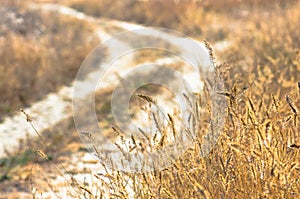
{"points": [[39, 53]]}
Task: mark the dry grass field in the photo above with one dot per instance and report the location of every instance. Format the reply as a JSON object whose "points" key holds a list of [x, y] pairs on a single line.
{"points": [[37, 53], [258, 152]]}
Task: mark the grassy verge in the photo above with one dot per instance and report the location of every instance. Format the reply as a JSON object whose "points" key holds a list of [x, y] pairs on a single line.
{"points": [[39, 53], [201, 19], [189, 17]]}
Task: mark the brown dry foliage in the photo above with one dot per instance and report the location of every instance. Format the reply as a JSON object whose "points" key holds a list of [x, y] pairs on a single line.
{"points": [[38, 53]]}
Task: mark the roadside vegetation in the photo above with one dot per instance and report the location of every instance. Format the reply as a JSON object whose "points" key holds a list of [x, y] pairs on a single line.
{"points": [[39, 52]]}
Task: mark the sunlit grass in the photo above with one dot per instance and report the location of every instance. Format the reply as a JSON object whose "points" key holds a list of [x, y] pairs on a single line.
{"points": [[257, 154]]}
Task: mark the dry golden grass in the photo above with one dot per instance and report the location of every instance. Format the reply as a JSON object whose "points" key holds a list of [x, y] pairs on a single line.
{"points": [[258, 152], [38, 54], [189, 17], [257, 155], [200, 19]]}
